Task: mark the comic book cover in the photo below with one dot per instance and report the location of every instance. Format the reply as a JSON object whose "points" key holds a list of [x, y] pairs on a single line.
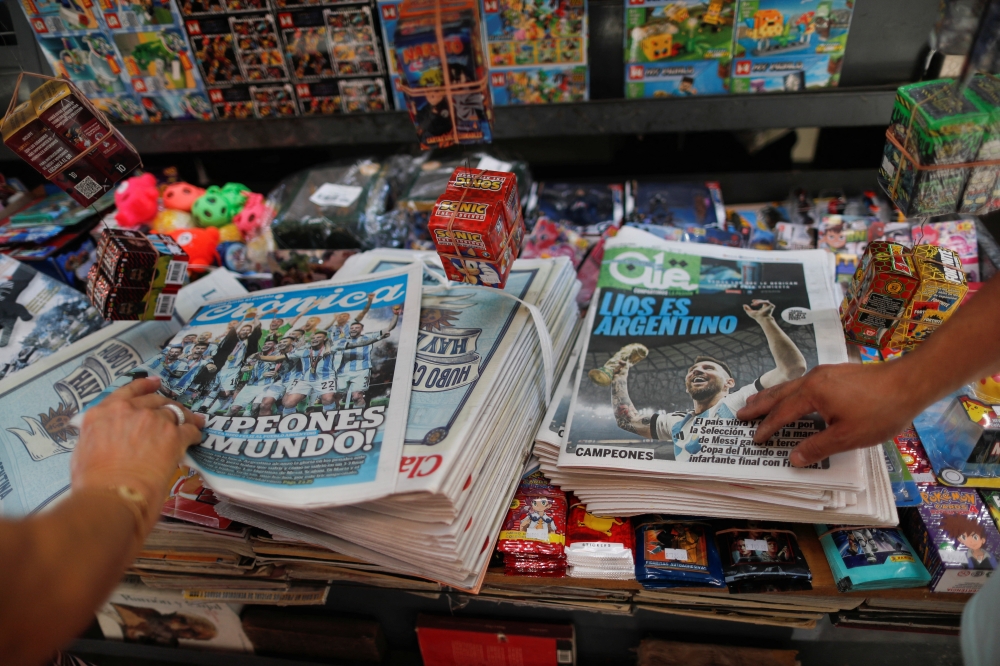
{"points": [[176, 106], [679, 336], [353, 44], [157, 61], [274, 101], [90, 61], [258, 48], [305, 390], [37, 403], [61, 17], [307, 44], [658, 30], [363, 95], [212, 41], [232, 103]]}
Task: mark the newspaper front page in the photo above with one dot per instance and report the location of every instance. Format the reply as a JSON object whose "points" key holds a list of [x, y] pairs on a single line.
{"points": [[679, 336]]}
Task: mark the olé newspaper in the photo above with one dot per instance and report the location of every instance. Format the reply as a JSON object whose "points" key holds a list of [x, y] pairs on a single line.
{"points": [[679, 337], [305, 390]]}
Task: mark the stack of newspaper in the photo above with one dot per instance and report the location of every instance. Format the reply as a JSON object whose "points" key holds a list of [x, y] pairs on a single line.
{"points": [[478, 385], [677, 338]]}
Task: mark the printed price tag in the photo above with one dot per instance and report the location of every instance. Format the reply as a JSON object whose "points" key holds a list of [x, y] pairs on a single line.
{"points": [[755, 544], [678, 554], [488, 163], [329, 194]]}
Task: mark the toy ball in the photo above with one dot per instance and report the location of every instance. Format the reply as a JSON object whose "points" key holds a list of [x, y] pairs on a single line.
{"points": [[181, 196], [167, 220], [236, 194], [255, 214], [137, 200], [199, 244], [212, 209], [988, 389], [230, 234]]}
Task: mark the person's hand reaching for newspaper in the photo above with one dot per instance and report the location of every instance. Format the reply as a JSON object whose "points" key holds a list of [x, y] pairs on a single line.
{"points": [[130, 440], [863, 405]]}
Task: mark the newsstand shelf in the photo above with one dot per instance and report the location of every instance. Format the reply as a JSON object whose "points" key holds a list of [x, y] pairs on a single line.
{"points": [[845, 107]]}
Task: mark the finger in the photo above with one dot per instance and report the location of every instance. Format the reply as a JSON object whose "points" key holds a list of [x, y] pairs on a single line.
{"points": [[136, 388], [786, 411], [819, 446], [153, 401], [190, 434], [747, 308], [190, 418], [761, 403]]}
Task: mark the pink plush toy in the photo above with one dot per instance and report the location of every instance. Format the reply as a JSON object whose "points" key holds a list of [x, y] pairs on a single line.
{"points": [[136, 199], [254, 216], [181, 196]]}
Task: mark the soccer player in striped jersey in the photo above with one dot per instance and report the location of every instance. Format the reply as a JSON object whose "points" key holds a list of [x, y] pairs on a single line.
{"points": [[355, 368], [316, 375], [340, 329], [261, 377]]}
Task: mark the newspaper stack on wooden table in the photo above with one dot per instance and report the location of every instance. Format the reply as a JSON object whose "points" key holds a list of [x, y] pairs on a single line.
{"points": [[478, 398], [677, 338]]}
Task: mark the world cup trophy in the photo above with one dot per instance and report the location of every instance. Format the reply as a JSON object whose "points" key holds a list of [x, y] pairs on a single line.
{"points": [[631, 354]]}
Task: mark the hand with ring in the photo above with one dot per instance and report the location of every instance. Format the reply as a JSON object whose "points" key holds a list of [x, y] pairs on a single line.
{"points": [[134, 438]]}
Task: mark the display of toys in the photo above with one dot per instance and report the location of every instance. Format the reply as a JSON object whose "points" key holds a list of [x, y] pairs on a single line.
{"points": [[871, 558], [666, 30], [914, 456], [476, 226], [941, 290], [136, 276], [254, 216], [982, 191], [933, 124], [590, 210], [273, 101], [158, 61], [956, 235], [231, 103], [676, 552], [79, 150], [216, 207], [90, 61], [539, 85], [757, 558], [677, 205], [258, 48], [597, 546], [199, 244], [447, 100], [955, 537], [883, 286], [307, 44], [533, 534], [137, 200], [904, 488], [961, 436], [353, 44], [181, 196], [213, 45]]}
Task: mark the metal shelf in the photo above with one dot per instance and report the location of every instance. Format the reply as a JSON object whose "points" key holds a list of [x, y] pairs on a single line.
{"points": [[829, 108]]}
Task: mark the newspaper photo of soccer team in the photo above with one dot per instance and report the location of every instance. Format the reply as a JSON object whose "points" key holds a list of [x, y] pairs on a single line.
{"points": [[267, 363]]}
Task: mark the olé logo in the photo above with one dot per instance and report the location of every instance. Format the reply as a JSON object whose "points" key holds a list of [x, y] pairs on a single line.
{"points": [[652, 270]]}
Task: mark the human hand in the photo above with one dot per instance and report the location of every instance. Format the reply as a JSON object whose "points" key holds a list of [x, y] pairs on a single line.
{"points": [[863, 405], [764, 311], [128, 440]]}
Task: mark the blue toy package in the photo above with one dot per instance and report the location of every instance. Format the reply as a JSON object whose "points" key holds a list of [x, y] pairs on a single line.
{"points": [[676, 79], [589, 209], [791, 73], [782, 27], [176, 106], [871, 558], [676, 553], [388, 11], [904, 488], [539, 85], [675, 204], [90, 61], [961, 435]]}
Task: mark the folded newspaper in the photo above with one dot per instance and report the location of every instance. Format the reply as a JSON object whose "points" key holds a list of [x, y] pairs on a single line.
{"points": [[478, 385], [677, 337]]}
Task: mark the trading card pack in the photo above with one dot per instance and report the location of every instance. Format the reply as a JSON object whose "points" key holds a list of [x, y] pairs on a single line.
{"points": [[353, 44], [982, 192], [536, 521], [212, 42], [307, 44], [258, 48], [871, 558], [675, 553], [958, 235], [877, 297], [941, 290], [757, 556]]}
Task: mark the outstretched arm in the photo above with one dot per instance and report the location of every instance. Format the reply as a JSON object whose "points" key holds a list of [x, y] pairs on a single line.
{"points": [[368, 306], [788, 360], [864, 405], [626, 415], [396, 309]]}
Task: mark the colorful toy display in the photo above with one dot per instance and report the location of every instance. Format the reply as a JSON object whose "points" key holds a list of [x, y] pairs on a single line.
{"points": [[258, 48], [200, 245], [181, 196], [136, 276], [883, 285]]}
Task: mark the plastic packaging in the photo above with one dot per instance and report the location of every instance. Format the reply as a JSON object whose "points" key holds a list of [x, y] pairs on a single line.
{"points": [[871, 558], [536, 521], [599, 547], [759, 558], [676, 552]]}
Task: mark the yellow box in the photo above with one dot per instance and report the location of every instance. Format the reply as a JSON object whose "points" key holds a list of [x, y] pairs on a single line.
{"points": [[942, 287]]}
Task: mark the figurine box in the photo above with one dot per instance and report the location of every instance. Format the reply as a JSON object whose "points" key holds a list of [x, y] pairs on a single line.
{"points": [[353, 43], [529, 34], [307, 44], [982, 192], [942, 288], [877, 298], [539, 85], [677, 79], [213, 45], [767, 28], [955, 537], [158, 61], [791, 73], [258, 48], [90, 61], [193, 105], [667, 30], [231, 103]]}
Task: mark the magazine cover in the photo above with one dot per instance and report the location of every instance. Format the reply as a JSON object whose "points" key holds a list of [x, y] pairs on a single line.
{"points": [[679, 337], [38, 315], [38, 403], [139, 614], [464, 339], [305, 390]]}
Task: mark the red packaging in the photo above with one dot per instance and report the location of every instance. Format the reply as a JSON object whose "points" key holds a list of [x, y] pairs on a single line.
{"points": [[536, 521], [584, 527], [490, 186], [118, 302], [553, 566], [462, 641], [882, 288], [912, 449], [477, 249]]}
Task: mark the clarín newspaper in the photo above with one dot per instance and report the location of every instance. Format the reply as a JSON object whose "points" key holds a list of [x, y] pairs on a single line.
{"points": [[305, 390], [680, 336]]}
